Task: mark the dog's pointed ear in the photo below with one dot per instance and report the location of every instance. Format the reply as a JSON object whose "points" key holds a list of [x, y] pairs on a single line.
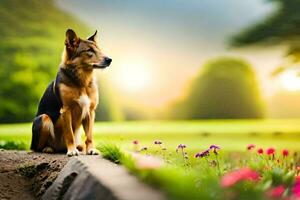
{"points": [[93, 37], [71, 39]]}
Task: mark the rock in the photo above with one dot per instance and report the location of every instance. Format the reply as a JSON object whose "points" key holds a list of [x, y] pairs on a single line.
{"points": [[91, 177]]}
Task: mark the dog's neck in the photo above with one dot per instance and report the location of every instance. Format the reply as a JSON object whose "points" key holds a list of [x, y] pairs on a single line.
{"points": [[77, 75]]}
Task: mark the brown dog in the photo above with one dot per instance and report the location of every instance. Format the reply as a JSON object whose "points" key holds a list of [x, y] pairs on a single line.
{"points": [[70, 100]]}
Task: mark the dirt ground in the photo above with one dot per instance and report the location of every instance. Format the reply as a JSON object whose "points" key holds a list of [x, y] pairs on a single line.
{"points": [[27, 175]]}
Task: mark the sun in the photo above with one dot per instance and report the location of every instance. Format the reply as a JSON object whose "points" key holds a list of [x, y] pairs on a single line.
{"points": [[290, 80], [133, 77]]}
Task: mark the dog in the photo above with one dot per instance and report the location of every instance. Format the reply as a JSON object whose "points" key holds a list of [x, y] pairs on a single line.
{"points": [[70, 100]]}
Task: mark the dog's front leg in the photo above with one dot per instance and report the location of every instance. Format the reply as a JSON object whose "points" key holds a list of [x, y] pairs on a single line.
{"points": [[88, 124], [68, 132]]}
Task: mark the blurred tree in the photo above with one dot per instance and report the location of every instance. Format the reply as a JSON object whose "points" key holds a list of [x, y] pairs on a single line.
{"points": [[225, 88], [32, 38], [281, 27], [108, 109]]}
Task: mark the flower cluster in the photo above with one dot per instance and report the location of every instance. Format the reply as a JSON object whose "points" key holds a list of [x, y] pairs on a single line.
{"points": [[264, 173], [206, 152], [202, 154], [269, 151]]}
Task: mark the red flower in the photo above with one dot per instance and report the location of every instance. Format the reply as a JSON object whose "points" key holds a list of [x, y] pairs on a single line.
{"points": [[250, 146], [276, 192], [135, 142], [270, 151], [285, 152], [234, 177], [260, 151]]}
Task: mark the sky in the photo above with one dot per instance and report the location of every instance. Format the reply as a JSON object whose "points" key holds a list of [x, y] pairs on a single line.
{"points": [[158, 46]]}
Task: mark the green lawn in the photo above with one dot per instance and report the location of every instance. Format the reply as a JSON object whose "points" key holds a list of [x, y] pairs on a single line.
{"points": [[197, 135]]}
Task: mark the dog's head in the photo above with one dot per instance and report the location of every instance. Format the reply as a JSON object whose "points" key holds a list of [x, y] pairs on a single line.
{"points": [[84, 53]]}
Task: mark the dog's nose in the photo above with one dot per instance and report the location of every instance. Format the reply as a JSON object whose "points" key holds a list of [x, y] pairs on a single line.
{"points": [[108, 60]]}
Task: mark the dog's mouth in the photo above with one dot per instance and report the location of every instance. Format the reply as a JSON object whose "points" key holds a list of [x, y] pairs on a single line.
{"points": [[105, 63], [99, 66]]}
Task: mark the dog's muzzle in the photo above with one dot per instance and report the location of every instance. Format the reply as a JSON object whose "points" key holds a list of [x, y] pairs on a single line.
{"points": [[105, 63]]}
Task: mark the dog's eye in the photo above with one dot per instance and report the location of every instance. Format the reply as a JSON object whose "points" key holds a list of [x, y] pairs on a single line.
{"points": [[91, 50]]}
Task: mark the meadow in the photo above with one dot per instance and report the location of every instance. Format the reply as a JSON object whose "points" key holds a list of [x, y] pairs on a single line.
{"points": [[231, 135]]}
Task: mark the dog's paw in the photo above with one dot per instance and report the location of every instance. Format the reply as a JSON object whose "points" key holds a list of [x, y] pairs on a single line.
{"points": [[72, 152], [92, 151], [48, 150]]}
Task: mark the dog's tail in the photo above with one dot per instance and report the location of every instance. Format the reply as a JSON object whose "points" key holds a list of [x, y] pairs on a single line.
{"points": [[36, 129]]}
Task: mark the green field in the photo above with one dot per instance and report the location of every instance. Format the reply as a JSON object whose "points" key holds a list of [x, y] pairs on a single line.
{"points": [[197, 135]]}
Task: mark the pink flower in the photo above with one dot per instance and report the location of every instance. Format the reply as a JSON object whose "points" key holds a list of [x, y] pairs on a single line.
{"points": [[148, 162], [270, 151], [250, 146], [260, 151], [276, 192], [234, 177], [296, 188], [285, 152]]}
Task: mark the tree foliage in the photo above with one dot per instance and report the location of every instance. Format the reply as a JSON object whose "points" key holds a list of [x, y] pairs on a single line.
{"points": [[32, 38], [281, 27], [225, 88]]}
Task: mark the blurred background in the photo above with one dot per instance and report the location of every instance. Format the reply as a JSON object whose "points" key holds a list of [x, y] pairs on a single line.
{"points": [[172, 59]]}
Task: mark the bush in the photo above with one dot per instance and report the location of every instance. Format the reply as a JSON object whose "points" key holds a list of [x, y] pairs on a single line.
{"points": [[226, 88], [12, 145]]}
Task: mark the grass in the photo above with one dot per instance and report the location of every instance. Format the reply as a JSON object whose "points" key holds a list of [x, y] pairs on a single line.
{"points": [[230, 134]]}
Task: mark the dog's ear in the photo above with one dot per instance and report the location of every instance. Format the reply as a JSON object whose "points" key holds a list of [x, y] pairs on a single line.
{"points": [[93, 37], [72, 40]]}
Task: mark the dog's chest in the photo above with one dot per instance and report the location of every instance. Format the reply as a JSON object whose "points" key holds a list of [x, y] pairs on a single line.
{"points": [[79, 101], [84, 102]]}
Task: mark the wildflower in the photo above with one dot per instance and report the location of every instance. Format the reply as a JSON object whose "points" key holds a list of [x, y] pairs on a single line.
{"points": [[285, 152], [270, 151], [135, 142], [260, 151], [276, 192], [202, 154], [234, 177], [157, 142], [214, 148], [250, 146], [180, 146], [296, 188]]}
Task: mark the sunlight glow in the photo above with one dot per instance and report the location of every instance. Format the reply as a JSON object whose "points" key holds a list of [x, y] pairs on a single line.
{"points": [[133, 76], [290, 81]]}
